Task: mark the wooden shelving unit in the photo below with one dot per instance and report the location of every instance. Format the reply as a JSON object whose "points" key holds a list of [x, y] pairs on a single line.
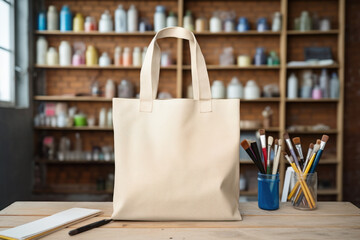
{"points": [[181, 70]]}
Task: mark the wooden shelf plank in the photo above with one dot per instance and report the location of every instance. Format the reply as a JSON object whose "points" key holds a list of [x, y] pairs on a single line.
{"points": [[332, 66], [84, 67], [72, 99], [302, 100], [235, 33], [70, 162], [330, 131], [313, 32], [86, 128], [93, 33], [271, 129], [235, 67], [273, 99]]}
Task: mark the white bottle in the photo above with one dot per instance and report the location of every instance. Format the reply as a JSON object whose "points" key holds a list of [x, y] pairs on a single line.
{"points": [[215, 23], [229, 25], [41, 50], [188, 21], [234, 89], [159, 18], [110, 89], [52, 19], [104, 60], [218, 89], [105, 23], [251, 90], [334, 86], [276, 24], [143, 55], [65, 53], [137, 57], [109, 118], [292, 87], [324, 84], [120, 19], [102, 117], [132, 19], [117, 56], [52, 57], [171, 20]]}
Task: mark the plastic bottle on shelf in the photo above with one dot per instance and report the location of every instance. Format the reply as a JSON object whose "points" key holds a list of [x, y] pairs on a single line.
{"points": [[137, 57], [200, 24], [305, 21], [251, 90], [90, 24], [77, 58], [109, 121], [316, 92], [276, 22], [52, 57], [104, 60], [125, 89], [159, 18], [215, 22], [117, 57], [41, 20], [105, 23], [229, 25], [260, 57], [110, 89], [234, 89], [143, 55], [95, 89], [165, 59], [292, 87], [188, 21], [41, 50], [127, 58], [218, 89], [132, 19], [262, 25], [171, 20], [324, 83], [65, 19], [52, 18], [243, 25], [120, 19], [65, 53], [273, 59], [102, 117], [91, 56], [306, 86], [334, 86], [78, 24]]}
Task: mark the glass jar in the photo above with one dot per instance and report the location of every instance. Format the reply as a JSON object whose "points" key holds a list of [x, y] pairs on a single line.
{"points": [[305, 200], [268, 191]]}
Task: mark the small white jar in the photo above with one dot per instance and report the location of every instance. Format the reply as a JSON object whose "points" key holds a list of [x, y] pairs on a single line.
{"points": [[251, 90], [218, 89]]}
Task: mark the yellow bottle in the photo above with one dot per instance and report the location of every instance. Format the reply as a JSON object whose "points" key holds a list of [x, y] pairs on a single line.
{"points": [[78, 24], [91, 56]]}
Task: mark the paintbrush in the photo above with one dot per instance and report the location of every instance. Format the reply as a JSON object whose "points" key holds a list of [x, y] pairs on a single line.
{"points": [[277, 157], [291, 149], [297, 143], [276, 145], [263, 146], [324, 139], [246, 146], [255, 149], [308, 155], [270, 142]]}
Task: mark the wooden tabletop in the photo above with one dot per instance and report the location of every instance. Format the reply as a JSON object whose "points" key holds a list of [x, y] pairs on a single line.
{"points": [[332, 220]]}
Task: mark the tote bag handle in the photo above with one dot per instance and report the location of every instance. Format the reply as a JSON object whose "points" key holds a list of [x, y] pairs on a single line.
{"points": [[149, 75]]}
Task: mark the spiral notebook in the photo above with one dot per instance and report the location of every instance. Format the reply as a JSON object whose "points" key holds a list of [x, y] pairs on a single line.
{"points": [[47, 225]]}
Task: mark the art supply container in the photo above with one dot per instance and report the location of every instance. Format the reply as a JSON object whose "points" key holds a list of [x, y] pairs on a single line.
{"points": [[308, 200], [268, 191]]}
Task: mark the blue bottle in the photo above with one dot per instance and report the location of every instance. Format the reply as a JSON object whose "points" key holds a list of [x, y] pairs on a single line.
{"points": [[243, 25], [65, 19], [262, 25], [260, 56], [41, 21]]}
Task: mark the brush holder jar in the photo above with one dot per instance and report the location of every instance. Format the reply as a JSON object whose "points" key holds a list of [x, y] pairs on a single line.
{"points": [[307, 200], [268, 191]]}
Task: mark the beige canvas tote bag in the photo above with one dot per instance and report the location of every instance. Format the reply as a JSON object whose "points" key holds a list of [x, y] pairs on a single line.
{"points": [[176, 159]]}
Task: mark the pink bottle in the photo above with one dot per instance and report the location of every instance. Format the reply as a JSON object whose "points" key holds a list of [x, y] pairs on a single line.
{"points": [[316, 93], [77, 59], [127, 57]]}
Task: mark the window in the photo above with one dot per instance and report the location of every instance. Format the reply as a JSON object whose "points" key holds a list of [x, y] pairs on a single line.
{"points": [[7, 61]]}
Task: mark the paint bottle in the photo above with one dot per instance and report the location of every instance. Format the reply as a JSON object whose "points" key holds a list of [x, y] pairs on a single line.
{"points": [[41, 50], [117, 57], [262, 25], [276, 22], [218, 89], [334, 86], [41, 21], [234, 89], [65, 53], [251, 90], [65, 19], [200, 24], [132, 19], [137, 57], [306, 86], [188, 21], [91, 56], [77, 58], [104, 60], [78, 23], [125, 89], [105, 23], [120, 19], [324, 83], [215, 23], [243, 25], [90, 24], [102, 117], [110, 89], [260, 57], [305, 21], [292, 87], [171, 20], [52, 57], [159, 18], [127, 58], [229, 25], [52, 18]]}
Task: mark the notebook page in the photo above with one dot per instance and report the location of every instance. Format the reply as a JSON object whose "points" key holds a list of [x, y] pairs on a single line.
{"points": [[48, 223]]}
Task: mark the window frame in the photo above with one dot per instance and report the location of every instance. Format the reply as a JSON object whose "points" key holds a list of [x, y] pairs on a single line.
{"points": [[11, 102]]}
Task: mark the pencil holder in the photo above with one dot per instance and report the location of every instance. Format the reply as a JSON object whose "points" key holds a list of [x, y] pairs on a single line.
{"points": [[306, 192], [268, 191]]}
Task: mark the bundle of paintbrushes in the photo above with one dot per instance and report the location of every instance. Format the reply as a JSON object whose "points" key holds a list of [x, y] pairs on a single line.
{"points": [[263, 160], [304, 167]]}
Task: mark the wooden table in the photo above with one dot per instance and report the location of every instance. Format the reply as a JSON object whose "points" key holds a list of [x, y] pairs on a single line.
{"points": [[332, 220]]}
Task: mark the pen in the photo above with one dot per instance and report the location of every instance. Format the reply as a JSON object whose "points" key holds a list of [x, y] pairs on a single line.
{"points": [[89, 227]]}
